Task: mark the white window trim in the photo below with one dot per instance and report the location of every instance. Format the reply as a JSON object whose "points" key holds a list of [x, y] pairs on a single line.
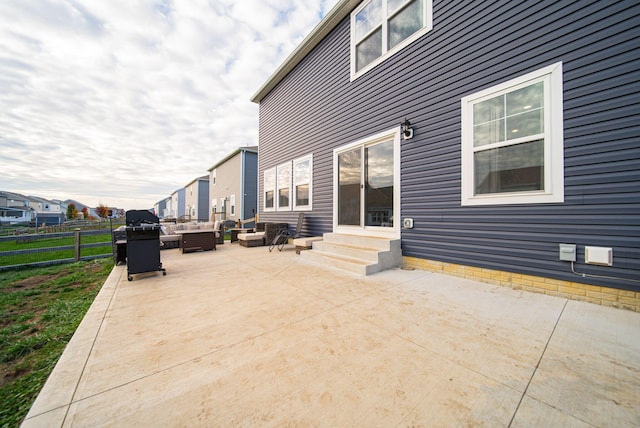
{"points": [[273, 189], [428, 25], [276, 195], [553, 143], [232, 205], [297, 207]]}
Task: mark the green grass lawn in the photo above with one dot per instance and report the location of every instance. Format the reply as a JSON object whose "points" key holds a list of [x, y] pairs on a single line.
{"points": [[40, 309], [12, 245]]}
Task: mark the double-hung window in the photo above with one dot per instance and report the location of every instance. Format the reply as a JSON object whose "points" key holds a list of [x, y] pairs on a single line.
{"points": [[284, 187], [269, 189], [381, 27], [289, 185], [512, 141], [302, 172]]}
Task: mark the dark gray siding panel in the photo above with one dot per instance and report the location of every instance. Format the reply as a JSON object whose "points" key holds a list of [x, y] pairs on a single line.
{"points": [[473, 46], [203, 200], [250, 184]]}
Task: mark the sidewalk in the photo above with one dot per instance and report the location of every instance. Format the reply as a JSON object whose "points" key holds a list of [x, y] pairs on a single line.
{"points": [[244, 337]]}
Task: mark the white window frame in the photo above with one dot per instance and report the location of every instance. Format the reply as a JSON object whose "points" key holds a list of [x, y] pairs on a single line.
{"points": [[309, 181], [269, 172], [214, 205], [386, 53], [553, 141], [232, 204], [281, 169]]}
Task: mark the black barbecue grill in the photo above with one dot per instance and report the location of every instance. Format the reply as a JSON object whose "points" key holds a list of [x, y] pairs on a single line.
{"points": [[143, 243]]}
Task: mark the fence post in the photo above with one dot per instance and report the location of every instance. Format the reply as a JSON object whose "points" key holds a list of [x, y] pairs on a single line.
{"points": [[76, 250]]}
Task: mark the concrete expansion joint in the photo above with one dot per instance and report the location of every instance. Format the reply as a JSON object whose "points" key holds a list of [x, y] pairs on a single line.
{"points": [[535, 369]]}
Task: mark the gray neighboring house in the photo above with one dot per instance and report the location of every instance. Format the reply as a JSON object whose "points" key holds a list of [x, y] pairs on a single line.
{"points": [[520, 134], [196, 199], [14, 208], [233, 185], [162, 208]]}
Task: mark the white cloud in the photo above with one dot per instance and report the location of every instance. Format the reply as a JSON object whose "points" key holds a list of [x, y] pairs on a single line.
{"points": [[122, 102]]}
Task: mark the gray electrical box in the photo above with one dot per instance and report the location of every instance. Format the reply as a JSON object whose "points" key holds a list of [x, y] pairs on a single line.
{"points": [[568, 252]]}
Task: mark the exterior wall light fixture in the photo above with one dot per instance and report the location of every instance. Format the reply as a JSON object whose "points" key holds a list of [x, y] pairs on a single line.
{"points": [[407, 130]]}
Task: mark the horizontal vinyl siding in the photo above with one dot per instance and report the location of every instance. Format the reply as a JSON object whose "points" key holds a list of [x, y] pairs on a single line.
{"points": [[474, 46]]}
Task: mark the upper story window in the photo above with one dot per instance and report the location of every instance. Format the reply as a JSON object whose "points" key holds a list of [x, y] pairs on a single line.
{"points": [[512, 141], [380, 28]]}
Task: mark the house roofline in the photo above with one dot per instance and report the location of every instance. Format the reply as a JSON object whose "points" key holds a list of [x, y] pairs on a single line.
{"points": [[13, 195], [203, 178], [328, 23], [250, 149]]}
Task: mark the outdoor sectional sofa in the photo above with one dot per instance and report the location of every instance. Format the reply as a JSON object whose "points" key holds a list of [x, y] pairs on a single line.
{"points": [[170, 239]]}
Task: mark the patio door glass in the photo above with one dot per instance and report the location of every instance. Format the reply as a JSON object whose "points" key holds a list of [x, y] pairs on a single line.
{"points": [[378, 185], [349, 187], [366, 185]]}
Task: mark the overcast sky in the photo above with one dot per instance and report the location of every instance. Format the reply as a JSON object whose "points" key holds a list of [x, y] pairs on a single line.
{"points": [[121, 102]]}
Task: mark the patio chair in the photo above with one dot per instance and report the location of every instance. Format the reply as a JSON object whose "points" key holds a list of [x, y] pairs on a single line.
{"points": [[284, 234]]}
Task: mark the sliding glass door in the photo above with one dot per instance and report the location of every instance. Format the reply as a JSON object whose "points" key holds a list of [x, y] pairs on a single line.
{"points": [[366, 196]]}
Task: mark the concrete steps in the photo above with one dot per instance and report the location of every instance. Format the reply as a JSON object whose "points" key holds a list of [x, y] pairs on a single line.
{"points": [[359, 254]]}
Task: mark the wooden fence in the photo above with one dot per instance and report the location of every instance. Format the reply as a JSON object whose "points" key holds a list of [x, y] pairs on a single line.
{"points": [[43, 249]]}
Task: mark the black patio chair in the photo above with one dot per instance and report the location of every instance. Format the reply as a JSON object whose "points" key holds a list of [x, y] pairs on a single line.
{"points": [[284, 234]]}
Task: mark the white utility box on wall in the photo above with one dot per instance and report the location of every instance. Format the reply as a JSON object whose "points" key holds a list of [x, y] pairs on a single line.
{"points": [[598, 256]]}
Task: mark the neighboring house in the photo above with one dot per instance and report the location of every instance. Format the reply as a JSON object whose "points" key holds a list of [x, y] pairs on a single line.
{"points": [[41, 205], [15, 215], [162, 208], [49, 218], [14, 208], [14, 200], [522, 134], [47, 213], [233, 185], [196, 197], [177, 204]]}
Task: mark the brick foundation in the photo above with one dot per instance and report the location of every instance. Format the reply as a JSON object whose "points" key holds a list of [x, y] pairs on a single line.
{"points": [[568, 289]]}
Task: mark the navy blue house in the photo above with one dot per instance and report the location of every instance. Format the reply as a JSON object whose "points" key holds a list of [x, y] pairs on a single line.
{"points": [[482, 134]]}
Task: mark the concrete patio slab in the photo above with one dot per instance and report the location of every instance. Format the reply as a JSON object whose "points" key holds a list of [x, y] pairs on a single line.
{"points": [[244, 337]]}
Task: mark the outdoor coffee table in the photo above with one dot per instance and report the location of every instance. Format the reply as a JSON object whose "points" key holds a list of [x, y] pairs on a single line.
{"points": [[196, 240]]}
